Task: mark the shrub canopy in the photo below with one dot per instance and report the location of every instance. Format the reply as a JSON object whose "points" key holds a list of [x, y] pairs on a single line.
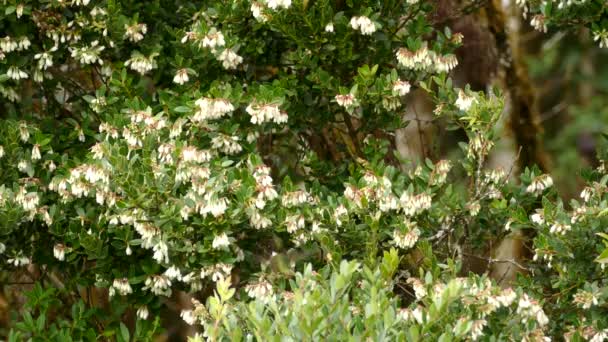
{"points": [[244, 152]]}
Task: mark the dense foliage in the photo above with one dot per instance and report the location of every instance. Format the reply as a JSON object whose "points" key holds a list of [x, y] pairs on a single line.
{"points": [[244, 152]]}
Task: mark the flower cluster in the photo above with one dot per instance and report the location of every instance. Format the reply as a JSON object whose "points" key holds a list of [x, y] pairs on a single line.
{"points": [[121, 286], [464, 101], [135, 32], [363, 24], [409, 238], [539, 184], [415, 204], [424, 59], [142, 64], [266, 112], [346, 100], [181, 76], [211, 109], [401, 88]]}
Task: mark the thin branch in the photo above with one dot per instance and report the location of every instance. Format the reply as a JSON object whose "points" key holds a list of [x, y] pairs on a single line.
{"points": [[14, 283], [497, 261], [352, 132]]}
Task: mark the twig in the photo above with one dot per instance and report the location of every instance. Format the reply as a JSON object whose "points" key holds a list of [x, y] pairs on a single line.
{"points": [[497, 261], [14, 283]]}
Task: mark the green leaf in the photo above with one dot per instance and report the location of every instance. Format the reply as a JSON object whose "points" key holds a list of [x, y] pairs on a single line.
{"points": [[14, 336], [40, 322], [227, 163], [603, 258], [182, 109], [445, 337], [414, 334], [124, 332]]}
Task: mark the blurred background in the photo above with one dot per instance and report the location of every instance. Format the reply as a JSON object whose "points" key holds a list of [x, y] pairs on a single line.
{"points": [[571, 82]]}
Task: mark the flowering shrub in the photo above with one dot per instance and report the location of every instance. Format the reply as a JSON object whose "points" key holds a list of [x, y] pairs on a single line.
{"points": [[568, 13], [356, 302], [248, 147]]}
